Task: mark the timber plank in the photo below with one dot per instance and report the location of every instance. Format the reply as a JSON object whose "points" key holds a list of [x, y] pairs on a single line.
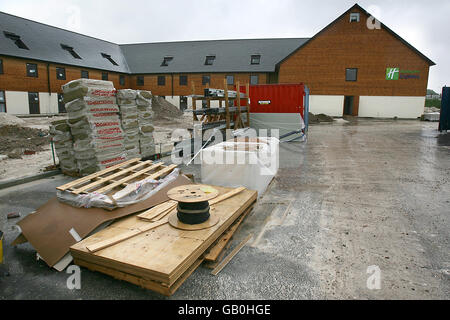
{"points": [[94, 175], [142, 282], [216, 250], [109, 178], [128, 178]]}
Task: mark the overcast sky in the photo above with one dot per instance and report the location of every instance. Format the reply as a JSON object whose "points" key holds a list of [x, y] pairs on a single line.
{"points": [[424, 24]]}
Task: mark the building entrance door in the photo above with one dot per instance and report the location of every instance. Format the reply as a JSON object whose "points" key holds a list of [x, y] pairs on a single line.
{"points": [[33, 102], [348, 105]]}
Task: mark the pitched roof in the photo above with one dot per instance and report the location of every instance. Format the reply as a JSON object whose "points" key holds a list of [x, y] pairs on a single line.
{"points": [[357, 6], [189, 56], [44, 43]]}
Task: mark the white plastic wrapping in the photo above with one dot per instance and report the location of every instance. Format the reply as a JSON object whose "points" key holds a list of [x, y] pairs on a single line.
{"points": [[233, 164], [131, 194], [126, 94]]}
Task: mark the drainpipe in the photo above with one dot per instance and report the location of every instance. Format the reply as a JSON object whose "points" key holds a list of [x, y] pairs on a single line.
{"points": [[172, 84], [48, 79]]}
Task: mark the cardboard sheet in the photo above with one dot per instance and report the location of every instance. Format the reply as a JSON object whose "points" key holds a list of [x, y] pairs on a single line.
{"points": [[54, 227]]}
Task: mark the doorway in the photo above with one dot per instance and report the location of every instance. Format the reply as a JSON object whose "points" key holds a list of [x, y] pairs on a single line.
{"points": [[33, 102], [348, 105], [61, 105]]}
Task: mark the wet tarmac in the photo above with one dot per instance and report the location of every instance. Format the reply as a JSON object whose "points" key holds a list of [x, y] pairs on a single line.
{"points": [[356, 195]]}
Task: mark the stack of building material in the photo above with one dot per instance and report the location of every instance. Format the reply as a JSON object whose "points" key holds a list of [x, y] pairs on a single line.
{"points": [[94, 123], [156, 255], [62, 140], [145, 116], [126, 99]]}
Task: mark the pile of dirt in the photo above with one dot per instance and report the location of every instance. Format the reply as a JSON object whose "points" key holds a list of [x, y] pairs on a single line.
{"points": [[319, 118], [163, 109], [16, 140], [7, 119]]}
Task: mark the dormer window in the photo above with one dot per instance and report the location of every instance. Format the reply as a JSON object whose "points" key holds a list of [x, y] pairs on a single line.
{"points": [[166, 61], [107, 56], [16, 38], [255, 59], [209, 60], [354, 17], [70, 50]]}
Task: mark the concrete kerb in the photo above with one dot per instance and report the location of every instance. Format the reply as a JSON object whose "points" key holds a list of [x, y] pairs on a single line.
{"points": [[15, 182]]}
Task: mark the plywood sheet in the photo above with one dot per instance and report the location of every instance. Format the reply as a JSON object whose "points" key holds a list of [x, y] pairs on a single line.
{"points": [[165, 253]]}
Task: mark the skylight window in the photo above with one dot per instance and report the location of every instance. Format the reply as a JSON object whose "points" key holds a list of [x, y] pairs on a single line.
{"points": [[16, 38], [107, 56], [255, 59], [209, 60], [70, 50], [166, 61]]}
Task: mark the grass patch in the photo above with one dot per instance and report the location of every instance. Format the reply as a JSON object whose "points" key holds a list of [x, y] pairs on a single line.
{"points": [[433, 103]]}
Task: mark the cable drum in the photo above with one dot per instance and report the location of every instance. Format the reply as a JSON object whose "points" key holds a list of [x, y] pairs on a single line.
{"points": [[193, 213], [193, 210]]}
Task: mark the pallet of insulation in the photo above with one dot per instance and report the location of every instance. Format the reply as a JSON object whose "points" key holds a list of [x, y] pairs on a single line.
{"points": [[162, 258]]}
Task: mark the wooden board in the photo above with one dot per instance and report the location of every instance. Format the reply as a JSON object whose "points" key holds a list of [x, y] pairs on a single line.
{"points": [[143, 282], [164, 253], [117, 177], [215, 251], [192, 193], [153, 213]]}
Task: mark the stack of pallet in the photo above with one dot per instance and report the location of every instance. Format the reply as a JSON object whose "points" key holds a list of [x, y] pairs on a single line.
{"points": [[62, 140], [147, 250], [129, 117], [94, 123], [145, 116]]}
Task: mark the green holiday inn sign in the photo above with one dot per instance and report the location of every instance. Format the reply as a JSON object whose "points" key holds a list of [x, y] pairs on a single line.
{"points": [[396, 73]]}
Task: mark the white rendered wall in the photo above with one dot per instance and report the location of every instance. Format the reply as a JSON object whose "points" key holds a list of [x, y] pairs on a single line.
{"points": [[330, 105], [390, 107], [48, 103], [17, 102]]}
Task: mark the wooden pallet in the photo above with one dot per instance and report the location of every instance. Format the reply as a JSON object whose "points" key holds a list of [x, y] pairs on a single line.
{"points": [[117, 177], [214, 255], [163, 254]]}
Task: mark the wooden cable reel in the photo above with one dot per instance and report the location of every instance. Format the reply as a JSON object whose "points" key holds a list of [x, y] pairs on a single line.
{"points": [[193, 210]]}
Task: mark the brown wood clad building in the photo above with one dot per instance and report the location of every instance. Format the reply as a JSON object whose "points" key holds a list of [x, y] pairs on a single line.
{"points": [[345, 67]]}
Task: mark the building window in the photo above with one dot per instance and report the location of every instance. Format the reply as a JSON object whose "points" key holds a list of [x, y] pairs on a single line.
{"points": [[122, 80], [105, 76], [140, 80], [16, 38], [183, 80], [354, 17], [230, 80], [1, 66], [70, 50], [255, 59], [206, 79], [108, 57], [2, 101], [161, 80], [32, 70], [254, 79], [209, 60], [60, 73], [84, 74], [166, 61], [351, 74]]}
